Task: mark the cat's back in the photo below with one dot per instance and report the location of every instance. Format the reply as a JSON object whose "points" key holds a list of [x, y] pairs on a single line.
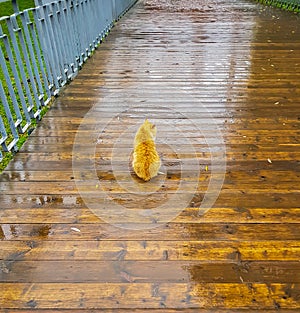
{"points": [[146, 161], [146, 150]]}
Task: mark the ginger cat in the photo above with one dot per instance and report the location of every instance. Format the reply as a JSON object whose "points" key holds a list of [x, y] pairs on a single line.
{"points": [[146, 161]]}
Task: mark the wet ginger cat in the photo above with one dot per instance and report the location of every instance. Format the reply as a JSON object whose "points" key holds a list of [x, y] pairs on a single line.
{"points": [[146, 161]]}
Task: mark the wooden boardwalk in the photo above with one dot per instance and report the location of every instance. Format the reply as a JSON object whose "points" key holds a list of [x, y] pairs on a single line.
{"points": [[220, 79]]}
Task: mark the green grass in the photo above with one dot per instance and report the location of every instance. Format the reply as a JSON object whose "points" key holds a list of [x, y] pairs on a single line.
{"points": [[6, 8], [292, 6], [8, 156]]}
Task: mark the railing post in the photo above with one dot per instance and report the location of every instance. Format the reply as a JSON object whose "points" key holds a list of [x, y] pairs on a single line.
{"points": [[15, 6], [114, 10]]}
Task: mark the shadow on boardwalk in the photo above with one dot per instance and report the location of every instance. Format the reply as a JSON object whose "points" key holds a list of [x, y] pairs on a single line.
{"points": [[80, 233]]}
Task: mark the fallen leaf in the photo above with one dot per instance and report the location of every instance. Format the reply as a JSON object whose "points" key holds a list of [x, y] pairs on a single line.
{"points": [[3, 268], [75, 229], [127, 277]]}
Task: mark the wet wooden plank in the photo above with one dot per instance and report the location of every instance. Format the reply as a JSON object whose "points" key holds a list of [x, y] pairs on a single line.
{"points": [[245, 128], [202, 153], [32, 164], [262, 177], [70, 271], [215, 113], [143, 295], [50, 188], [171, 231], [246, 199], [172, 132], [87, 100], [187, 310], [69, 210], [118, 250]]}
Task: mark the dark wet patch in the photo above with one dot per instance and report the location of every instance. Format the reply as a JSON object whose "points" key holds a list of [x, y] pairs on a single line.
{"points": [[276, 305], [41, 231], [165, 255], [291, 292], [229, 229], [17, 256], [155, 290], [121, 254], [31, 303], [2, 235], [196, 200], [4, 267], [32, 244], [243, 210]]}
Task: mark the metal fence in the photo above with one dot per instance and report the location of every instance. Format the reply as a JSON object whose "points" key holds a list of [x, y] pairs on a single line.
{"points": [[290, 5], [42, 48]]}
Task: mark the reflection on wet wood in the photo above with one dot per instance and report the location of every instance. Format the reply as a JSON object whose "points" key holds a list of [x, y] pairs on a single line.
{"points": [[211, 76]]}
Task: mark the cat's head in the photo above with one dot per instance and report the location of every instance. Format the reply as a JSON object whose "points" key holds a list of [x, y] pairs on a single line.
{"points": [[151, 128]]}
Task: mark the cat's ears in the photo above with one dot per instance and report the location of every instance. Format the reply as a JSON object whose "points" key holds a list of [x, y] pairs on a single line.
{"points": [[147, 122]]}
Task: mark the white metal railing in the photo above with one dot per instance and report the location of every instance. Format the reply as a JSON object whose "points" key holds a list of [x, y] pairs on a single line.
{"points": [[41, 49]]}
